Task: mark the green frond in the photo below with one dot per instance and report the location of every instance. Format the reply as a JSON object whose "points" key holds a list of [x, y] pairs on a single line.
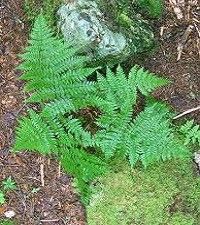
{"points": [[151, 137], [58, 107], [82, 164], [56, 77], [191, 131], [68, 91], [145, 81], [108, 142], [120, 95], [52, 67], [84, 167], [34, 134]]}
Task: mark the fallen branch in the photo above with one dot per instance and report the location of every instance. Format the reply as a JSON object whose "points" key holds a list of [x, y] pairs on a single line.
{"points": [[187, 112], [184, 40], [177, 10], [42, 174], [46, 221]]}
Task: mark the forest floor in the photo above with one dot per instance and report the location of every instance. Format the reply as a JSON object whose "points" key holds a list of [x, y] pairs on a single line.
{"points": [[54, 201]]}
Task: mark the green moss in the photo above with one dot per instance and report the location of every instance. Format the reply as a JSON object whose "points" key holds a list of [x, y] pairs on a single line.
{"points": [[33, 7], [166, 194], [152, 8], [181, 219]]}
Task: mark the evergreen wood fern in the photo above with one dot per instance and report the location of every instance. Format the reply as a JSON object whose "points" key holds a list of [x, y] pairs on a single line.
{"points": [[56, 78]]}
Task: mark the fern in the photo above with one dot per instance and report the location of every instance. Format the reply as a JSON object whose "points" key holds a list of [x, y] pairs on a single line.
{"points": [[52, 68], [146, 82], [191, 131], [34, 134], [120, 92], [85, 167], [56, 78], [151, 137]]}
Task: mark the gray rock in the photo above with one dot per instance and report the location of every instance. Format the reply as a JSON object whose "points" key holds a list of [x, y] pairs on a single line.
{"points": [[197, 159], [83, 23]]}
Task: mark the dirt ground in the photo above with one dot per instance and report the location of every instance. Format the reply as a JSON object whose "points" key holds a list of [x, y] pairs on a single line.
{"points": [[184, 92], [55, 202]]}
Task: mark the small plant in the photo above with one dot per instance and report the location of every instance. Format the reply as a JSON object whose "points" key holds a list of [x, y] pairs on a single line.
{"points": [[9, 184], [6, 222], [34, 7], [35, 190], [191, 132], [56, 76], [2, 198], [152, 8]]}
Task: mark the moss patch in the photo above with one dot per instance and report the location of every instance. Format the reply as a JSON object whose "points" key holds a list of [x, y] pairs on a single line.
{"points": [[33, 7], [166, 194]]}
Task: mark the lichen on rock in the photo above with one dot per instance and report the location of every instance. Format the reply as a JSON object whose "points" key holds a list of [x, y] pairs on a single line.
{"points": [[105, 39]]}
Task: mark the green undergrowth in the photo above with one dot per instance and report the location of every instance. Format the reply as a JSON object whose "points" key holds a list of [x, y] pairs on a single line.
{"points": [[7, 222], [191, 132], [165, 194], [152, 8], [87, 123], [34, 7]]}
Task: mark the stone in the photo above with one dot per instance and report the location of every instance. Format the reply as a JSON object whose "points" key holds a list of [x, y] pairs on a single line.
{"points": [[84, 23], [9, 214], [197, 159]]}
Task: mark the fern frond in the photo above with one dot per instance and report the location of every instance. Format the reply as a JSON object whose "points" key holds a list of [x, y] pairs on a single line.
{"points": [[151, 137], [84, 167], [145, 81], [108, 142], [120, 95], [68, 91], [52, 67], [191, 131], [57, 107], [34, 134]]}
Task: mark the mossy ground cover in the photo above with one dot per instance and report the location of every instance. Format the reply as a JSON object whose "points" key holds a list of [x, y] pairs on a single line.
{"points": [[33, 7], [165, 194]]}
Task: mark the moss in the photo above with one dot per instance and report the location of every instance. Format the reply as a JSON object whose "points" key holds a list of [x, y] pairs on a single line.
{"points": [[123, 16], [166, 194], [181, 219], [33, 7], [153, 8]]}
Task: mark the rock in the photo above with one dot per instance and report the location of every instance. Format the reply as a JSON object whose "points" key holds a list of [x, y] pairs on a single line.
{"points": [[9, 214], [111, 41], [197, 159]]}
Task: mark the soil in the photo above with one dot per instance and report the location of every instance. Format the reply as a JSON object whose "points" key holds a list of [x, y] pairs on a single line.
{"points": [[184, 74], [56, 201], [33, 204]]}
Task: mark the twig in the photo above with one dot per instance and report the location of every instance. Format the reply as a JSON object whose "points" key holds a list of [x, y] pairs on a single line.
{"points": [[59, 170], [187, 112], [198, 46], [48, 162], [42, 174], [55, 220], [175, 4], [184, 40]]}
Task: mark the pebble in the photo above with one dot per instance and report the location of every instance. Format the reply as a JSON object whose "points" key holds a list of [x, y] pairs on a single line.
{"points": [[9, 214]]}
